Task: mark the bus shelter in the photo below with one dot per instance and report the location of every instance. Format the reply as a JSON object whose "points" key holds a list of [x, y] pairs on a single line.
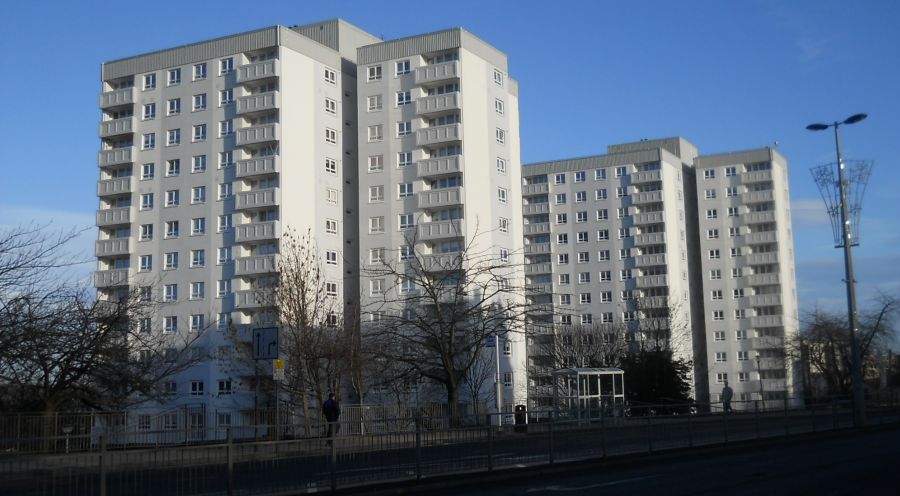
{"points": [[589, 393]]}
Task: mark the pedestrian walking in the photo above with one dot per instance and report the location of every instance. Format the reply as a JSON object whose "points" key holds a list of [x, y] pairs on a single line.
{"points": [[332, 412], [727, 394]]}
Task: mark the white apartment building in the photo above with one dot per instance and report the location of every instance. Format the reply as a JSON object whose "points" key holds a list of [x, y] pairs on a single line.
{"points": [[749, 286], [210, 152], [439, 162], [608, 242]]}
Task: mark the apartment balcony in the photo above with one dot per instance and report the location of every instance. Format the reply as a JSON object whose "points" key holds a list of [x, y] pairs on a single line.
{"points": [[258, 71], [439, 134], [257, 231], [651, 281], [770, 279], [113, 216], [257, 134], [537, 249], [646, 197], [644, 177], [762, 258], [250, 299], [756, 176], [110, 278], [442, 261], [111, 247], [116, 127], [648, 324], [758, 217], [771, 364], [768, 342], [758, 196], [261, 198], [648, 218], [767, 321], [438, 104], [536, 208], [440, 197], [758, 238], [543, 288], [647, 302], [650, 260], [442, 166], [764, 300], [437, 72], [117, 186], [539, 268], [262, 102], [261, 264], [116, 98], [535, 189], [116, 156], [430, 231], [258, 166], [770, 385], [537, 228], [650, 239]]}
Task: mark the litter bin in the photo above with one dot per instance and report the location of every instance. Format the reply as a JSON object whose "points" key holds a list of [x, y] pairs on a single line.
{"points": [[521, 418]]}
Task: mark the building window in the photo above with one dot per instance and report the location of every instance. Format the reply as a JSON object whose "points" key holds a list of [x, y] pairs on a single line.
{"points": [[225, 128], [172, 229], [172, 198], [199, 102], [584, 277], [730, 171], [198, 291], [740, 335], [404, 190], [374, 72], [331, 226], [580, 196], [226, 66], [223, 287], [199, 132], [331, 166], [406, 221], [173, 106], [603, 235], [621, 171], [148, 141], [721, 377], [587, 319], [330, 136], [500, 135], [170, 292], [565, 299], [174, 77], [498, 77], [225, 159], [196, 388], [146, 263], [331, 289], [225, 191], [718, 315], [375, 133], [404, 159], [743, 356], [223, 255], [331, 196], [330, 76], [224, 223], [225, 388], [198, 194], [198, 226], [715, 274], [719, 336], [504, 255], [170, 324], [716, 294], [376, 194], [404, 98], [376, 255], [198, 163], [713, 254], [199, 71], [562, 239], [709, 194], [731, 191], [376, 225], [331, 257], [373, 103], [712, 213], [330, 106], [721, 356], [171, 260], [402, 67], [560, 198], [376, 287], [149, 81], [582, 237], [149, 111], [404, 128], [498, 106], [501, 165], [709, 174], [502, 195], [503, 225], [600, 194], [147, 201], [712, 234], [198, 258]]}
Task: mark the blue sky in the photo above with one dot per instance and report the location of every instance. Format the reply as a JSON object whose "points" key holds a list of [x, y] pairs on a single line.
{"points": [[725, 75]]}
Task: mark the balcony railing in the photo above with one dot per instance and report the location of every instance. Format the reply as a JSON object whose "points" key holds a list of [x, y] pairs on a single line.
{"points": [[115, 156], [763, 279], [537, 249], [649, 239], [646, 197], [766, 258], [536, 208], [756, 176], [428, 231], [437, 104], [257, 231], [437, 72], [115, 98], [249, 299], [111, 247], [535, 189], [758, 196], [442, 261], [758, 238], [257, 166], [116, 127], [764, 300], [261, 198], [651, 281], [759, 217], [440, 197], [650, 260], [257, 134], [442, 166], [767, 321], [646, 177], [537, 228], [113, 216], [261, 102], [257, 71], [648, 218], [261, 264], [117, 186], [539, 268], [109, 278], [439, 134]]}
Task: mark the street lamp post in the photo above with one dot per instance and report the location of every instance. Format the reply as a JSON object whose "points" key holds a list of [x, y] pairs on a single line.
{"points": [[859, 416]]}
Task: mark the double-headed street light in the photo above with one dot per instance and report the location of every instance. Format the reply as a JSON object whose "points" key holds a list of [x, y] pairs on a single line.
{"points": [[846, 241]]}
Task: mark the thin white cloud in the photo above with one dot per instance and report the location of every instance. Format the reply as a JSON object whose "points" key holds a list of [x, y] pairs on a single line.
{"points": [[809, 212]]}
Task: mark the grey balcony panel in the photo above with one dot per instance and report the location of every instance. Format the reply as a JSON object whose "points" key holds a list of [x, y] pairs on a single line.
{"points": [[767, 321], [768, 342], [646, 177], [763, 279], [536, 208], [115, 156], [110, 278], [537, 249], [113, 216], [759, 217], [257, 134], [654, 302], [650, 260], [543, 288], [258, 70], [439, 134], [116, 127], [440, 197], [538, 228], [756, 176], [535, 189], [257, 166], [758, 196], [757, 238], [648, 218], [262, 198], [443, 166], [428, 231], [117, 186], [250, 299], [111, 247], [764, 300], [646, 197], [649, 239], [442, 261], [437, 72], [762, 258], [651, 281], [115, 98], [261, 102], [437, 104], [539, 268], [257, 231], [261, 264]]}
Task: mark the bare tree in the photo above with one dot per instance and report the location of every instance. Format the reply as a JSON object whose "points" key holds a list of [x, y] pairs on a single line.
{"points": [[483, 369], [436, 312]]}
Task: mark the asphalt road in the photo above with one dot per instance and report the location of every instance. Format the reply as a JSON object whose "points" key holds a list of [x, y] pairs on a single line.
{"points": [[849, 464]]}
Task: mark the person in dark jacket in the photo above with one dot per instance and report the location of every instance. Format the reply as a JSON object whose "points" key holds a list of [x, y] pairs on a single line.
{"points": [[332, 411]]}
